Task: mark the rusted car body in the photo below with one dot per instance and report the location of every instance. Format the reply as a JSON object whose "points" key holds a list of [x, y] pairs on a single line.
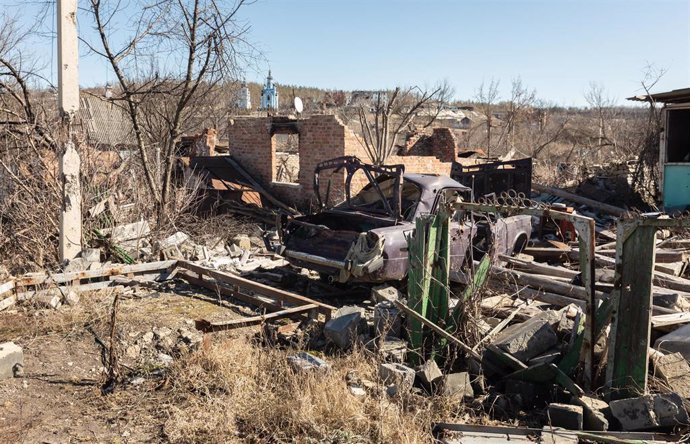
{"points": [[365, 237]]}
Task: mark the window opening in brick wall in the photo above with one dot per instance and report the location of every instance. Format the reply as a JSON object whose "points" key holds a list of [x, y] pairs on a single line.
{"points": [[286, 152]]}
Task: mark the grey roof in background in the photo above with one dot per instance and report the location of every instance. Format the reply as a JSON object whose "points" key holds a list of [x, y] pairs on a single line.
{"points": [[105, 123], [675, 96]]}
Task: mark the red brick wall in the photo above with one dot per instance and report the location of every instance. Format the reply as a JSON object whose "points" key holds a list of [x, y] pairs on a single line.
{"points": [[321, 138]]}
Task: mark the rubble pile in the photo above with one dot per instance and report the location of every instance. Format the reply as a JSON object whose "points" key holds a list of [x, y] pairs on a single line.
{"points": [[591, 335]]}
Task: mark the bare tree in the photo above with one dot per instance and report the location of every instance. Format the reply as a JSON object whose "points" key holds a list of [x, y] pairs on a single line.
{"points": [[522, 100], [487, 96], [391, 113], [173, 56], [602, 105], [646, 176]]}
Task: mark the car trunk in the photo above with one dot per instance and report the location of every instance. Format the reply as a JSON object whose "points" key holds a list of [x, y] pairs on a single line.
{"points": [[329, 234]]}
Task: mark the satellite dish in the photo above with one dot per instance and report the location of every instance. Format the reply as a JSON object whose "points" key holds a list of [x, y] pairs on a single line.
{"points": [[299, 106]]}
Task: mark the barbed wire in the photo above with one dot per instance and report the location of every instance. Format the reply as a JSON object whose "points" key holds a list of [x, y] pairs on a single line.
{"points": [[512, 199]]}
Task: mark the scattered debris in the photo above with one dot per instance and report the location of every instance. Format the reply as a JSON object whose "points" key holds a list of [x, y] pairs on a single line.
{"points": [[304, 361], [11, 360]]}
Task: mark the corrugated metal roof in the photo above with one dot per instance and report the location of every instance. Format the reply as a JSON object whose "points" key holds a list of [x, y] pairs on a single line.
{"points": [[106, 123], [675, 96]]}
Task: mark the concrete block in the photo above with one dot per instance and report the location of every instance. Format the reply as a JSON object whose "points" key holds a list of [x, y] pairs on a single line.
{"points": [[528, 339], [675, 371], [458, 385], [77, 264], [383, 293], [566, 416], [398, 374], [594, 411], [530, 395], [91, 255], [393, 349], [304, 362], [678, 341], [174, 240], [429, 373], [387, 319], [127, 232], [649, 411], [670, 410], [344, 327], [11, 360]]}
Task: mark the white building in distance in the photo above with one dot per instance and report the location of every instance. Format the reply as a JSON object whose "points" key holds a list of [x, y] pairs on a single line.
{"points": [[244, 99]]}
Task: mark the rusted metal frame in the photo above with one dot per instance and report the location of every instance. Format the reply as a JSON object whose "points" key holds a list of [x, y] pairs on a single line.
{"points": [[230, 292], [351, 165], [249, 285], [585, 228], [208, 326]]}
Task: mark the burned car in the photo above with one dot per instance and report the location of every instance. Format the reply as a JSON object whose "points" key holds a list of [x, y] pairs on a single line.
{"points": [[365, 237]]}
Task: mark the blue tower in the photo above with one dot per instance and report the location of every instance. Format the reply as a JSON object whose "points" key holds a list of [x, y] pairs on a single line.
{"points": [[269, 94]]}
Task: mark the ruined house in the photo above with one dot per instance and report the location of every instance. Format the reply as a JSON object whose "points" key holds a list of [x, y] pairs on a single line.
{"points": [[674, 152], [282, 153]]}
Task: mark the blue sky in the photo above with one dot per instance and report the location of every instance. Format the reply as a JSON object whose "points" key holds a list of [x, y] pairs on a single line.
{"points": [[557, 47]]}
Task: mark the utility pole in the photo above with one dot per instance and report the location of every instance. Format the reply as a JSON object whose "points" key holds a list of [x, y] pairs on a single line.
{"points": [[68, 103]]}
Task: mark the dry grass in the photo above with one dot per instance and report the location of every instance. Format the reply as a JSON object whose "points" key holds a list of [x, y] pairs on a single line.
{"points": [[234, 391]]}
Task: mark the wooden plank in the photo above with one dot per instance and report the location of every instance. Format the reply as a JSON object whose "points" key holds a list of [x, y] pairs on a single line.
{"points": [[670, 319], [208, 326], [616, 211], [7, 286], [420, 247], [538, 267], [546, 284], [550, 298], [59, 278], [439, 285], [662, 256], [626, 373], [249, 285]]}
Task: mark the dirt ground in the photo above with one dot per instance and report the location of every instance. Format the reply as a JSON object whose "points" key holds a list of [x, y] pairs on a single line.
{"points": [[175, 385], [59, 400]]}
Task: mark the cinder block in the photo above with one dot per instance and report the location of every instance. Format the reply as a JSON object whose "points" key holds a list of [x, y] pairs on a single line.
{"points": [[566, 416], [457, 384], [398, 374]]}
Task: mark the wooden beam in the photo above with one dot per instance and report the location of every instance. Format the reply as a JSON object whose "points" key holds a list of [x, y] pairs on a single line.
{"points": [[626, 373], [59, 278], [616, 211]]}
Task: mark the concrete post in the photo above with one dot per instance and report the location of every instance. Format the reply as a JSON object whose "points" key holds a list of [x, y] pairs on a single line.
{"points": [[68, 103]]}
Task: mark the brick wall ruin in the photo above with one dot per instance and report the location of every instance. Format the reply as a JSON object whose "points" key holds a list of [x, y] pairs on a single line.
{"points": [[321, 138]]}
